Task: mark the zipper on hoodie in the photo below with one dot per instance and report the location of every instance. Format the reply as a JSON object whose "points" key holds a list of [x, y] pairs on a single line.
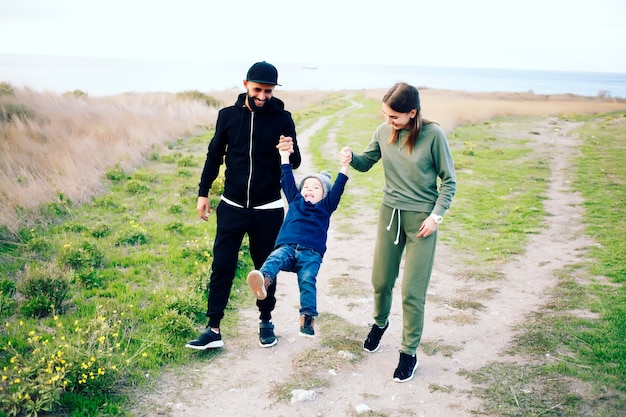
{"points": [[250, 160]]}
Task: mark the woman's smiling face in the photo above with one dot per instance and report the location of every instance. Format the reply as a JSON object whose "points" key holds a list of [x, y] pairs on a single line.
{"points": [[397, 120]]}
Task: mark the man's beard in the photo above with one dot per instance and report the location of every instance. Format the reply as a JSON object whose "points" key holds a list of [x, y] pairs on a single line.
{"points": [[253, 105]]}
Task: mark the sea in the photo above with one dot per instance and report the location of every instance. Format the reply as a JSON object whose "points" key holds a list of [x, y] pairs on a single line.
{"points": [[110, 76]]}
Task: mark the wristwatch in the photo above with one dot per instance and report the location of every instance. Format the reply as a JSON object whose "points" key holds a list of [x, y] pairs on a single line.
{"points": [[437, 218]]}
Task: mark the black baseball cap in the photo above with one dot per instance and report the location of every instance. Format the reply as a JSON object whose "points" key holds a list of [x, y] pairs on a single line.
{"points": [[263, 73]]}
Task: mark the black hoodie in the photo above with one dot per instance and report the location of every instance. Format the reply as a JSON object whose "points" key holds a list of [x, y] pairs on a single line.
{"points": [[248, 142]]}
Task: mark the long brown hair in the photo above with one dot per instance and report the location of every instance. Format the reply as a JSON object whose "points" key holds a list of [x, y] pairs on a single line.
{"points": [[403, 98]]}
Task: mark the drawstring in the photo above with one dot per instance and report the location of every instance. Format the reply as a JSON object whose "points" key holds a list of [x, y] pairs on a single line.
{"points": [[393, 213]]}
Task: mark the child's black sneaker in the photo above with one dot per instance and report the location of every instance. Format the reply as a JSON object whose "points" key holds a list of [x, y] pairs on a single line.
{"points": [[372, 341], [258, 284], [306, 326], [406, 368], [208, 339], [267, 338]]}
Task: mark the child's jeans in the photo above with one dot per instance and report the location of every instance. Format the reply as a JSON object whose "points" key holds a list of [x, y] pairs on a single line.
{"points": [[303, 261]]}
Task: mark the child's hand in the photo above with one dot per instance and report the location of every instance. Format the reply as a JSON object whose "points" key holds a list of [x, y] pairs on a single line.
{"points": [[345, 156], [285, 148], [284, 154]]}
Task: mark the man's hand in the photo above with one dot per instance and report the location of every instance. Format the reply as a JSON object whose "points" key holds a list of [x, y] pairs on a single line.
{"points": [[204, 208], [285, 143]]}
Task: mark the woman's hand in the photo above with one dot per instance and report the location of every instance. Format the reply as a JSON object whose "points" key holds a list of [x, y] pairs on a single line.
{"points": [[428, 227], [345, 156]]}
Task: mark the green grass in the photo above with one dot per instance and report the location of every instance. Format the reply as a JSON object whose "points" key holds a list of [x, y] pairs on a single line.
{"points": [[502, 181], [137, 261], [573, 348]]}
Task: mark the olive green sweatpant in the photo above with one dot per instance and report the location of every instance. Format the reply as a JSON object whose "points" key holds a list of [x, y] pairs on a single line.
{"points": [[397, 230]]}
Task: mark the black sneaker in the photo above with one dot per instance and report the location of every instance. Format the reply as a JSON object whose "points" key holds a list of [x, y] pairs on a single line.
{"points": [[267, 338], [406, 368], [373, 338], [306, 326], [208, 339]]}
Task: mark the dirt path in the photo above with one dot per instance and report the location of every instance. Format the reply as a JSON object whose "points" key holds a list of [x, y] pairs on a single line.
{"points": [[238, 380]]}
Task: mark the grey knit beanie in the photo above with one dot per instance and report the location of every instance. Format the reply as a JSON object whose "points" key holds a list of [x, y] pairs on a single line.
{"points": [[323, 177]]}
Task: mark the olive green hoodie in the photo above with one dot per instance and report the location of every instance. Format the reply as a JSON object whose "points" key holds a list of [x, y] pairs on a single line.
{"points": [[411, 179]]}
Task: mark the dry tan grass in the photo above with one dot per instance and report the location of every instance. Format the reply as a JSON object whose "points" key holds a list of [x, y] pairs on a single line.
{"points": [[66, 147], [456, 108], [72, 140]]}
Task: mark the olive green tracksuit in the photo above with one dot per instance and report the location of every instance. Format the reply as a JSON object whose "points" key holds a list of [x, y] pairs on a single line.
{"points": [[411, 194]]}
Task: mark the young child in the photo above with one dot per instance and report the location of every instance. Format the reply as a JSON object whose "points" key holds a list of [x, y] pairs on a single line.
{"points": [[301, 242]]}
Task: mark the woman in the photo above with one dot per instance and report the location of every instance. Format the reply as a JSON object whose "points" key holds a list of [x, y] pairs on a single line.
{"points": [[415, 153]]}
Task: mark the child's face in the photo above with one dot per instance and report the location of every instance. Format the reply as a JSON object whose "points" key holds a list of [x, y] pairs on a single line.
{"points": [[312, 190]]}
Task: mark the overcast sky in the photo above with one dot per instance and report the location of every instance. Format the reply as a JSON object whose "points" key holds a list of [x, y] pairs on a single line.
{"points": [[572, 35]]}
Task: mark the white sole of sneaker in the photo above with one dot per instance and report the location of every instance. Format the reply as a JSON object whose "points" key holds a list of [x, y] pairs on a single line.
{"points": [[212, 345], [268, 344], [256, 282], [310, 336]]}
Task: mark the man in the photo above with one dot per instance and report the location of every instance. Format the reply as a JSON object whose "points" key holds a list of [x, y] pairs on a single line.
{"points": [[246, 137]]}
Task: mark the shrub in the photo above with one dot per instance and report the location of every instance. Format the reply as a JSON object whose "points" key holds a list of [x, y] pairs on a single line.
{"points": [[84, 255], [186, 161], [175, 209], [45, 288], [197, 95], [90, 277], [115, 173], [134, 237], [6, 89], [136, 187], [177, 325], [7, 303], [9, 112], [7, 287], [100, 230]]}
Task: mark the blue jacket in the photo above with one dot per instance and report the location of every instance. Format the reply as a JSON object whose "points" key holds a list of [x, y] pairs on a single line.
{"points": [[307, 224]]}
